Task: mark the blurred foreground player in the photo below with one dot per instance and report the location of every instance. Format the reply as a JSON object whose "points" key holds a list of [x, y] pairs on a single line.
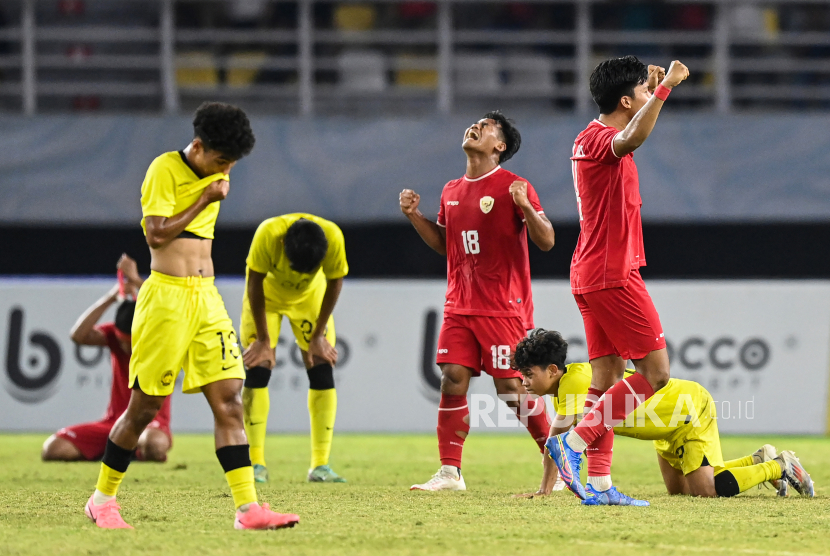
{"points": [[180, 319], [482, 229], [87, 441], [681, 419], [620, 319], [296, 266]]}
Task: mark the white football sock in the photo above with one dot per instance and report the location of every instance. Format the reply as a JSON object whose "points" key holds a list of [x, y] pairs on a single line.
{"points": [[600, 484], [99, 498], [575, 442]]}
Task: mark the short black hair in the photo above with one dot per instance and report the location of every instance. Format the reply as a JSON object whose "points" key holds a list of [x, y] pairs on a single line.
{"points": [[512, 137], [541, 348], [614, 79], [124, 316], [305, 245], [224, 128]]}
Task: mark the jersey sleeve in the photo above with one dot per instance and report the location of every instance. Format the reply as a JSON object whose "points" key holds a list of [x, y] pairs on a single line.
{"points": [[158, 192], [441, 216], [573, 389], [335, 264], [599, 145], [108, 330], [261, 252], [533, 197]]}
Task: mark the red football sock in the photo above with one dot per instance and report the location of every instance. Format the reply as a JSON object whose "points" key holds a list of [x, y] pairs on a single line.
{"points": [[453, 426], [533, 414], [599, 453], [621, 399]]}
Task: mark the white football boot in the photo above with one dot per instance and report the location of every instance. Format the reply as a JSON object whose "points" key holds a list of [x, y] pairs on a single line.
{"points": [[767, 453], [795, 474], [447, 478]]}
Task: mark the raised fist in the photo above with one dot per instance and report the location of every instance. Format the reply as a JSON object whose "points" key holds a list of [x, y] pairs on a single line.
{"points": [[677, 73], [655, 76], [216, 191], [409, 202]]}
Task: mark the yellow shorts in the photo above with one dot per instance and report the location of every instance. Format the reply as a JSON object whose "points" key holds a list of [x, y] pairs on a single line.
{"points": [[685, 451], [181, 323], [302, 313]]}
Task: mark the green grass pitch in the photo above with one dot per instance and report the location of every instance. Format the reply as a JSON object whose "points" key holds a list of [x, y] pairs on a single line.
{"points": [[183, 507]]}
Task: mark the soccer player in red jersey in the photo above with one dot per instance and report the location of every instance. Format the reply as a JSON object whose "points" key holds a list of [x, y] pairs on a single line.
{"points": [[481, 229], [88, 440], [620, 320]]}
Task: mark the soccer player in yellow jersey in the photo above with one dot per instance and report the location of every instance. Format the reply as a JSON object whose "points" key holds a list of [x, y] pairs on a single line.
{"points": [[296, 267], [180, 319], [680, 419]]}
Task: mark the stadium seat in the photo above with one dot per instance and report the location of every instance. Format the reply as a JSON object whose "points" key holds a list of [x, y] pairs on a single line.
{"points": [[354, 17], [529, 73], [477, 73], [362, 70], [416, 72], [196, 70], [243, 68]]}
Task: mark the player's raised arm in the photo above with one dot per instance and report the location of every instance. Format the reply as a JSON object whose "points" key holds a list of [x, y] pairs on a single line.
{"points": [[640, 127], [83, 332], [538, 225], [161, 230], [434, 235]]}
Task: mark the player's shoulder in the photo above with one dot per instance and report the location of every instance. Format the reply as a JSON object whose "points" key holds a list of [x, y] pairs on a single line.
{"points": [[453, 183], [508, 177], [592, 129], [577, 371], [327, 225], [169, 160]]}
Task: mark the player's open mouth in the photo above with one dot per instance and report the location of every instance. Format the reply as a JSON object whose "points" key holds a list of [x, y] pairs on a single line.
{"points": [[472, 135]]}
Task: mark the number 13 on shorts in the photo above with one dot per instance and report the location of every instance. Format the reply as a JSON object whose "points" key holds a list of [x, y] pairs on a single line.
{"points": [[501, 357]]}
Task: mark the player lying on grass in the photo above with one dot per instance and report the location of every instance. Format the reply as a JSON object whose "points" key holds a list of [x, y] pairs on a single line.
{"points": [[87, 441], [482, 228], [296, 267], [181, 323], [681, 420]]}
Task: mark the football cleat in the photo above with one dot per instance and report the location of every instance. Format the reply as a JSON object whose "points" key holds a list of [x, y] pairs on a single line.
{"points": [[261, 517], [447, 478], [568, 461], [610, 497], [107, 515], [324, 474], [767, 453], [795, 474], [260, 473]]}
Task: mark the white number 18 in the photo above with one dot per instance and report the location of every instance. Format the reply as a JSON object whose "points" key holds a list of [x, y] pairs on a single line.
{"points": [[470, 241]]}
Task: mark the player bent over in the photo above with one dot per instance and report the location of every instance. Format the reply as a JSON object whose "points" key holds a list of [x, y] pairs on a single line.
{"points": [[619, 316], [482, 229], [87, 441], [180, 319], [681, 419], [296, 267]]}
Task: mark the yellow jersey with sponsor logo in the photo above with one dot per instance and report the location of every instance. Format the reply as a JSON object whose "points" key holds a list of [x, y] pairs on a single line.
{"points": [[171, 186], [267, 256], [677, 406]]}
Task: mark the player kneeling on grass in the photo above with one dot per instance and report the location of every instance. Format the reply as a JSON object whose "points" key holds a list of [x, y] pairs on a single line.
{"points": [[87, 441], [680, 419], [296, 267]]}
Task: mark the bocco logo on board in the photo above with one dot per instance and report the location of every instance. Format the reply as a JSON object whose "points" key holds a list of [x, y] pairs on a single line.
{"points": [[32, 378]]}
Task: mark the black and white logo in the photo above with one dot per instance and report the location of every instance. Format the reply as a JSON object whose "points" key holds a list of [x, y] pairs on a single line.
{"points": [[31, 370]]}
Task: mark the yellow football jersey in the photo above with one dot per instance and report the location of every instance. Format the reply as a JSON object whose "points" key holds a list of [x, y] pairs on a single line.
{"points": [[665, 415], [267, 256], [171, 186]]}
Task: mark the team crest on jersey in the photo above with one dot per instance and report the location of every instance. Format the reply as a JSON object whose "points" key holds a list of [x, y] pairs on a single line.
{"points": [[486, 204]]}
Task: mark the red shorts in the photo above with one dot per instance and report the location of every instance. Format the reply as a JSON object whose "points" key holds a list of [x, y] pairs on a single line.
{"points": [[621, 321], [480, 343], [91, 438]]}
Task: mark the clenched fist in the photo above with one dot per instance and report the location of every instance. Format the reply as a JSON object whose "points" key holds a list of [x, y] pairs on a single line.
{"points": [[677, 73], [216, 191], [655, 75], [409, 202], [518, 189]]}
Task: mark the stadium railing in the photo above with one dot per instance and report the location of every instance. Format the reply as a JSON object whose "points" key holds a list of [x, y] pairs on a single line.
{"points": [[310, 56]]}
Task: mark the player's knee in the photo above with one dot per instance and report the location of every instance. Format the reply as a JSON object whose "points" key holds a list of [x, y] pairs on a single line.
{"points": [[454, 380], [510, 392], [56, 449], [726, 484], [155, 448], [257, 377], [321, 377]]}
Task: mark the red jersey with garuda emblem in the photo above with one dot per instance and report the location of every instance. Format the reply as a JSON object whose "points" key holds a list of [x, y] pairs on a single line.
{"points": [[488, 271]]}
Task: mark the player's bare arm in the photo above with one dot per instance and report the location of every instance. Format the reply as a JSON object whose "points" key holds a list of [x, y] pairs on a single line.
{"points": [[83, 332], [538, 225], [434, 235], [259, 353], [560, 424], [641, 125], [318, 346], [129, 269]]}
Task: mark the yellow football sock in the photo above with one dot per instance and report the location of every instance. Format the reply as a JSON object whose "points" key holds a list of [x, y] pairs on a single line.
{"points": [[745, 461], [109, 479], [753, 475], [322, 408], [257, 403], [241, 481]]}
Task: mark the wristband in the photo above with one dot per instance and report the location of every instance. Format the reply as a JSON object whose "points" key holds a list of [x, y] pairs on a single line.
{"points": [[662, 92]]}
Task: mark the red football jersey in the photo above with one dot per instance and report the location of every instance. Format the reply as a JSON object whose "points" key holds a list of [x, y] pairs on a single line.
{"points": [[120, 392], [607, 188], [488, 271]]}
